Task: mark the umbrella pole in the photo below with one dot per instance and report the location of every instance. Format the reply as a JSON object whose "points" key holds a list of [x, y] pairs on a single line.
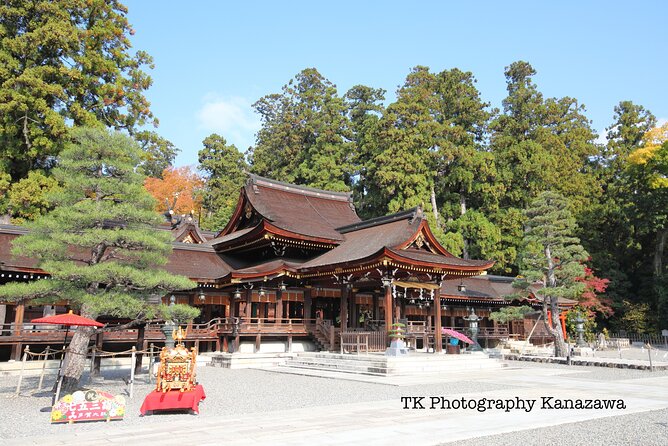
{"points": [[60, 366]]}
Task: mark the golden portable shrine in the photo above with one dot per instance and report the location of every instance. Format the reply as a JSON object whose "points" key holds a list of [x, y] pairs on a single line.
{"points": [[296, 265], [177, 366]]}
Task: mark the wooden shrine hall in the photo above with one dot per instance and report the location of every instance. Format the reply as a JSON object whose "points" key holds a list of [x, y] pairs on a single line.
{"points": [[295, 262]]}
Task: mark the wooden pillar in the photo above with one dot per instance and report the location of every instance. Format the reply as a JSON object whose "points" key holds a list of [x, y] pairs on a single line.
{"points": [[247, 310], [438, 336], [353, 317], [289, 343], [376, 307], [344, 307], [19, 311], [308, 304], [388, 307], [258, 341], [279, 306]]}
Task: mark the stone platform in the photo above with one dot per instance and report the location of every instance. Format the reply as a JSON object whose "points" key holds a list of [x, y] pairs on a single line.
{"points": [[377, 364]]}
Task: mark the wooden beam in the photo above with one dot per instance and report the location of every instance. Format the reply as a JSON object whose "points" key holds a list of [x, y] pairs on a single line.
{"points": [[308, 304]]}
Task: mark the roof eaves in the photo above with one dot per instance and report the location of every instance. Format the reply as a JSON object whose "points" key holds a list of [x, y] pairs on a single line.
{"points": [[403, 215]]}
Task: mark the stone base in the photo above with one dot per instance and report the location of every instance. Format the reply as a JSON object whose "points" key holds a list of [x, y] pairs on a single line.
{"points": [[583, 351], [397, 348]]}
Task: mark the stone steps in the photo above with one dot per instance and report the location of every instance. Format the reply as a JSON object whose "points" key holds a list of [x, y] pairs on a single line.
{"points": [[384, 366]]}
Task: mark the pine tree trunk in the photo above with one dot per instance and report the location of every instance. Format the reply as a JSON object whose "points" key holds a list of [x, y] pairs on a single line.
{"points": [[75, 360]]}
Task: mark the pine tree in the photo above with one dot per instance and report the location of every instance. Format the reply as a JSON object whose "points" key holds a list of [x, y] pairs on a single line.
{"points": [[553, 256], [99, 244]]}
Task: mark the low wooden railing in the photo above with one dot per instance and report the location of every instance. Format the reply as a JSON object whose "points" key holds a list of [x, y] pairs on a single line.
{"points": [[367, 341]]}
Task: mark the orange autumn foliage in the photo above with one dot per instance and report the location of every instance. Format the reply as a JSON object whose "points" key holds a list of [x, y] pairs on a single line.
{"points": [[182, 183]]}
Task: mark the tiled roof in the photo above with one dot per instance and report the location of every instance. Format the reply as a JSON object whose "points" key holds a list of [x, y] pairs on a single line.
{"points": [[366, 242], [301, 210], [430, 257]]}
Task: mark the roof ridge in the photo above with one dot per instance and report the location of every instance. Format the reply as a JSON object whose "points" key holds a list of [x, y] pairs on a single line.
{"points": [[304, 190], [379, 220]]}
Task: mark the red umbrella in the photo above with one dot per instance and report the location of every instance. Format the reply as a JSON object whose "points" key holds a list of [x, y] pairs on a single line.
{"points": [[69, 320], [457, 335]]}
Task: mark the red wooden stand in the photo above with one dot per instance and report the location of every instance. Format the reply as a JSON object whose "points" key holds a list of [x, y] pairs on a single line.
{"points": [[173, 399]]}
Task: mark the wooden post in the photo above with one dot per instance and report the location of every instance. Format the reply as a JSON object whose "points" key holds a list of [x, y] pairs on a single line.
{"points": [[19, 311], [388, 307], [344, 307], [438, 336], [247, 310], [150, 364], [23, 365], [279, 306], [308, 304], [258, 340], [376, 307], [133, 362], [289, 343], [352, 313], [41, 376]]}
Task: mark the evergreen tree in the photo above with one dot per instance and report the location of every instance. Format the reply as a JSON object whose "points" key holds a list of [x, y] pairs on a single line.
{"points": [[99, 244], [227, 171], [305, 135], [553, 256], [365, 109], [65, 61]]}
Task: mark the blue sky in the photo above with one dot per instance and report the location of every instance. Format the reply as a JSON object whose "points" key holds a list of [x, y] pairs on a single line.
{"points": [[213, 59]]}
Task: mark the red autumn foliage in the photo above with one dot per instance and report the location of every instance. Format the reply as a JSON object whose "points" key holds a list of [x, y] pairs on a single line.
{"points": [[590, 298]]}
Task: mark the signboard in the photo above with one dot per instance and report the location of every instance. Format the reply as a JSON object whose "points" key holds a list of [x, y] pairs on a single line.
{"points": [[664, 332], [88, 405]]}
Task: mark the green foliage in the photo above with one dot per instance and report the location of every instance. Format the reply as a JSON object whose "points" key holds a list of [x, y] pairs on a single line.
{"points": [[636, 318], [305, 136], [178, 313], [65, 61], [98, 243], [28, 198], [226, 169], [589, 325], [510, 313], [157, 153]]}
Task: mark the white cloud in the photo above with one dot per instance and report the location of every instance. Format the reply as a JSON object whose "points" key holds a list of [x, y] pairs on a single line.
{"points": [[233, 118]]}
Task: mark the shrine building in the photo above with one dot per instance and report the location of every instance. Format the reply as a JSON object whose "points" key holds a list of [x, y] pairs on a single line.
{"points": [[297, 264]]}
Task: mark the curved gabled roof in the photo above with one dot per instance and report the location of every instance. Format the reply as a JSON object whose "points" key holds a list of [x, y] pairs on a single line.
{"points": [[299, 210]]}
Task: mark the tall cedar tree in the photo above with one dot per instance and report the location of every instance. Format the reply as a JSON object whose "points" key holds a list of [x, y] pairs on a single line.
{"points": [[305, 136], [609, 228], [226, 169], [539, 144], [99, 244], [553, 256], [67, 61]]}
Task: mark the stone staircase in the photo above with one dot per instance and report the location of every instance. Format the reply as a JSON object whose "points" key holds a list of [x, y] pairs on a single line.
{"points": [[377, 364], [524, 348]]}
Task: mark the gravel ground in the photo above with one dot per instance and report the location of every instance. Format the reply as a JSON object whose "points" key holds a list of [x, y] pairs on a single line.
{"points": [[646, 428], [229, 392], [235, 392], [595, 373]]}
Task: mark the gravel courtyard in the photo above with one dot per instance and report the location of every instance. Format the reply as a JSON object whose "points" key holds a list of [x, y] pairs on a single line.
{"points": [[248, 391]]}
